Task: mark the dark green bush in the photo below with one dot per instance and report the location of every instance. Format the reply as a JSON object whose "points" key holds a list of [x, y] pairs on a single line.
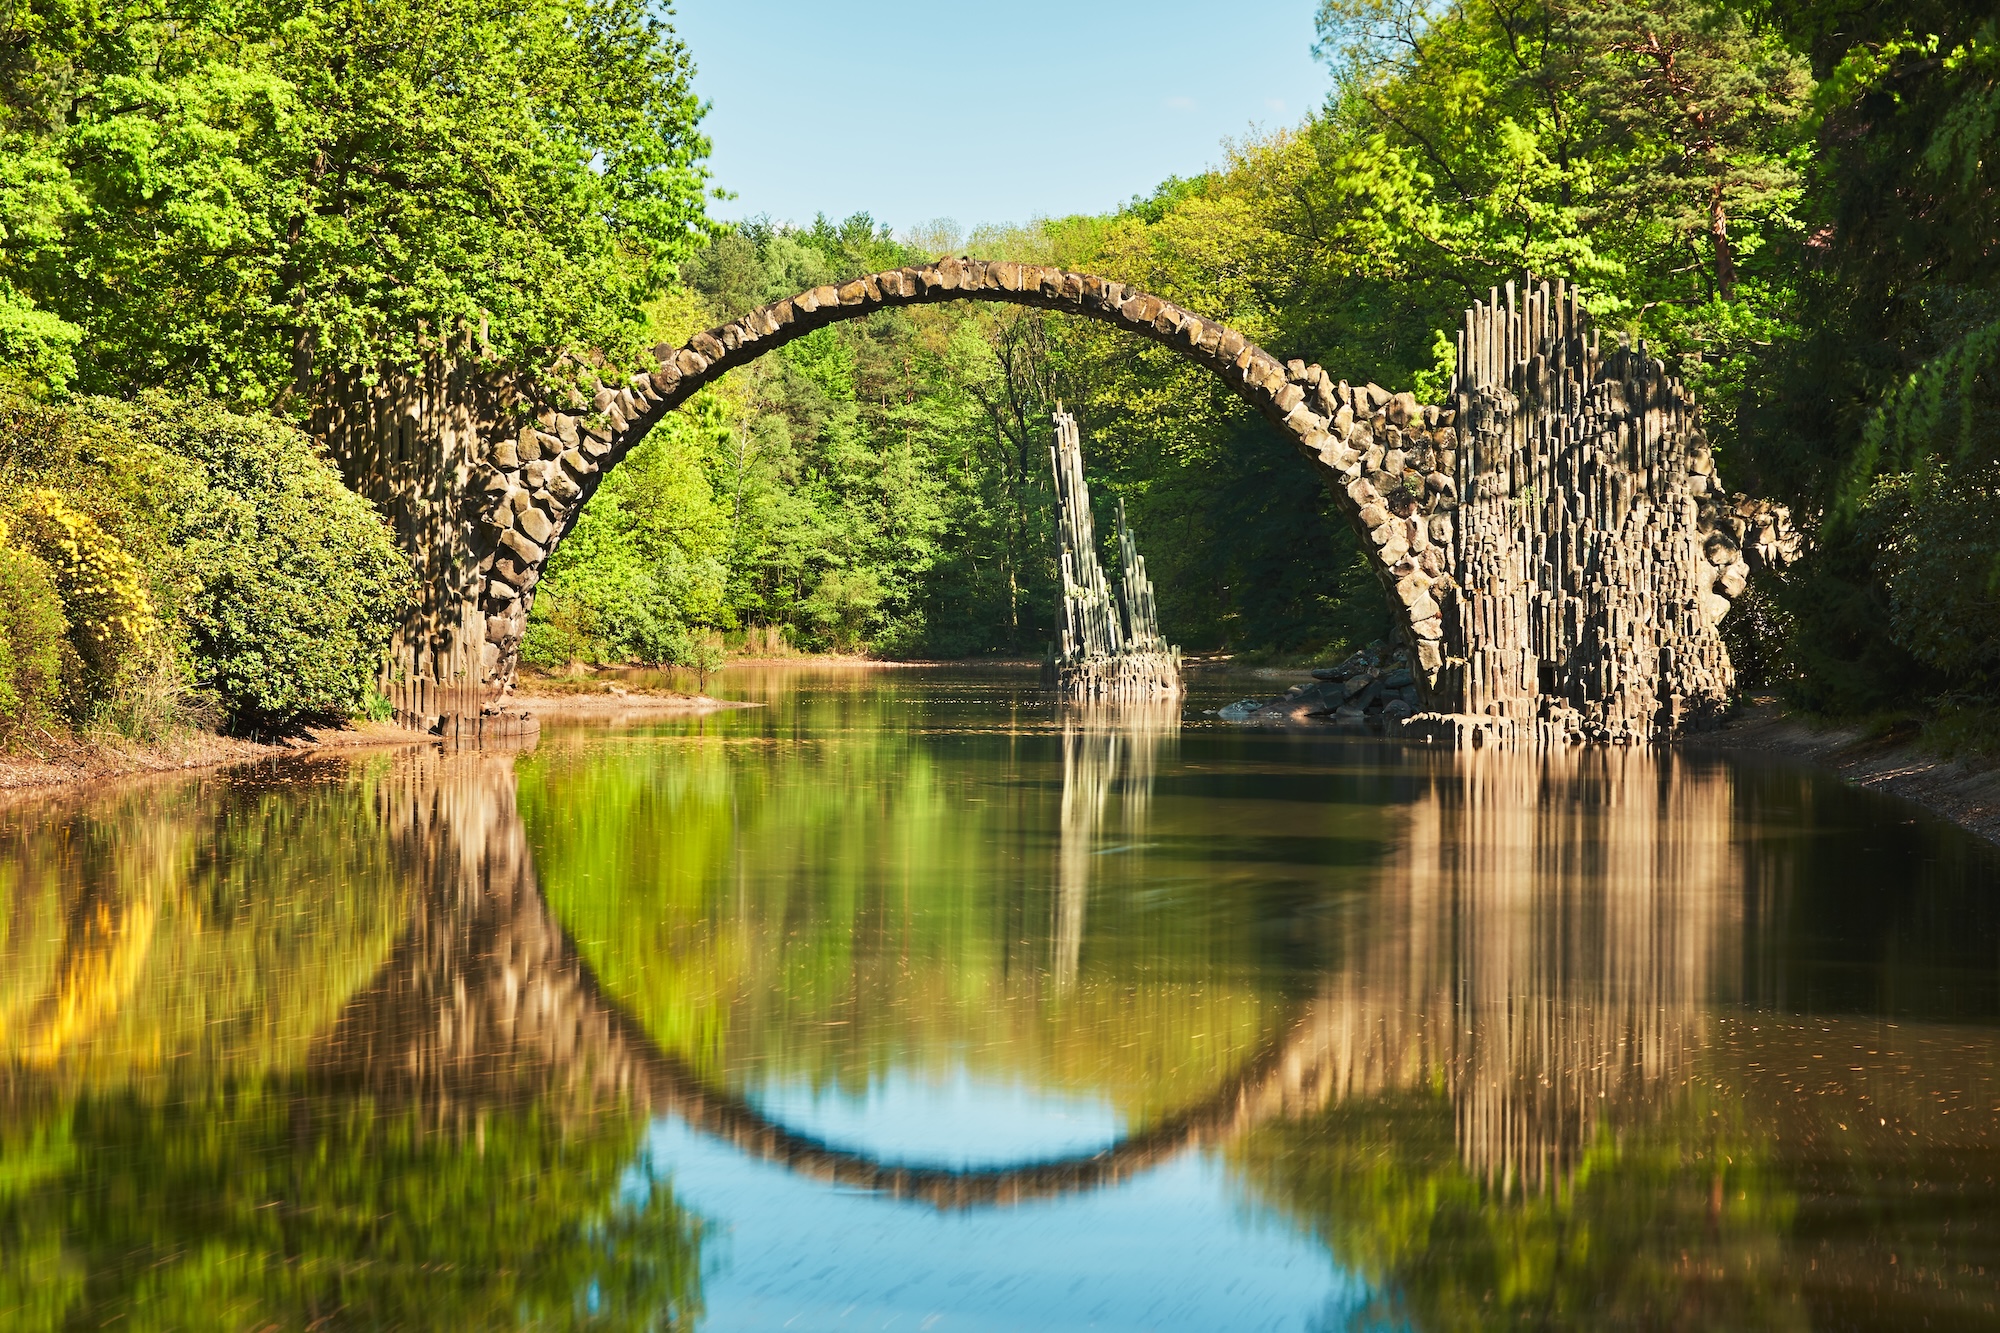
{"points": [[294, 583], [275, 586]]}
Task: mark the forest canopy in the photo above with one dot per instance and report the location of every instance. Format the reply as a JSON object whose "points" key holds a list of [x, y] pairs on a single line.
{"points": [[1790, 201], [202, 208]]}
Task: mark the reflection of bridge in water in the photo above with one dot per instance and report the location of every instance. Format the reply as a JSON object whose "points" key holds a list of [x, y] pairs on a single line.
{"points": [[1540, 944], [1544, 945]]}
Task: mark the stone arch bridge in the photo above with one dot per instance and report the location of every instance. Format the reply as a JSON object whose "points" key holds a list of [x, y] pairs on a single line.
{"points": [[1553, 540]]}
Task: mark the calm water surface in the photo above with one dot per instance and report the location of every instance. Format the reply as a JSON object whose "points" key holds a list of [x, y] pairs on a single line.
{"points": [[906, 1002]]}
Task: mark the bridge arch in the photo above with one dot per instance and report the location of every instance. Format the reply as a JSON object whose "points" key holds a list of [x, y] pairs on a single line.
{"points": [[540, 479], [1553, 541]]}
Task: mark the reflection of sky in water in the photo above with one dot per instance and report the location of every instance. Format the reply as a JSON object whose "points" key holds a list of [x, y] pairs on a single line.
{"points": [[1174, 1248], [950, 1122]]}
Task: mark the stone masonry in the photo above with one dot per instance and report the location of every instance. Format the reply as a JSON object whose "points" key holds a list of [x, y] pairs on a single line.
{"points": [[1552, 537]]}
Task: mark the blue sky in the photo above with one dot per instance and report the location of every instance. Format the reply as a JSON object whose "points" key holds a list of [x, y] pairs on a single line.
{"points": [[984, 113]]}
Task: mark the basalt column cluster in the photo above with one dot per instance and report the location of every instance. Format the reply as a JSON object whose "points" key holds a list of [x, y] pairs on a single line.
{"points": [[1595, 552], [414, 440], [1111, 650]]}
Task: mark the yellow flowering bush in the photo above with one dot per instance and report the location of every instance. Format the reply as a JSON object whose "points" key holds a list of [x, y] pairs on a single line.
{"points": [[103, 590]]}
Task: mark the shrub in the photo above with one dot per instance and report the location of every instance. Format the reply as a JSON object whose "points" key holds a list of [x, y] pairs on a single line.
{"points": [[1942, 564], [111, 626], [274, 588], [31, 637], [295, 583]]}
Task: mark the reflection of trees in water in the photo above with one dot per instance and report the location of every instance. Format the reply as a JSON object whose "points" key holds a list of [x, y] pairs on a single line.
{"points": [[248, 1130], [876, 897], [1104, 749], [143, 931]]}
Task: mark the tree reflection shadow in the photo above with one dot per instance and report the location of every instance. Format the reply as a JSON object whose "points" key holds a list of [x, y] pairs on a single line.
{"points": [[235, 1094]]}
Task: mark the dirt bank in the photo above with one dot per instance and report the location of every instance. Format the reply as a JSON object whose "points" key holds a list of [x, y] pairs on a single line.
{"points": [[73, 762], [1968, 794]]}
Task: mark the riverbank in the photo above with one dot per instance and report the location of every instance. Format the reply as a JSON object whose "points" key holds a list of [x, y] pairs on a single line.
{"points": [[77, 762], [1967, 794]]}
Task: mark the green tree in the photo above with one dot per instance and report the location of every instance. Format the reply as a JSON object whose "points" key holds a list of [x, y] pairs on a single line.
{"points": [[227, 198]]}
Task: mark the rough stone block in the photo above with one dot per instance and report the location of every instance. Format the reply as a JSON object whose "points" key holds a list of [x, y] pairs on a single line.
{"points": [[533, 524], [526, 551], [1411, 587]]}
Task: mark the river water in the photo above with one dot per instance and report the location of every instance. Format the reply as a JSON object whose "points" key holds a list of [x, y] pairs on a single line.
{"points": [[907, 1002]]}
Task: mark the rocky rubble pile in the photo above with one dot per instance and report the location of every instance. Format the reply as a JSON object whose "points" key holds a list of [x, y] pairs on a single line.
{"points": [[1376, 687]]}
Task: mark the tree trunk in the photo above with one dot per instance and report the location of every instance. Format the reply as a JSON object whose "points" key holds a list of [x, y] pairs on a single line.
{"points": [[1718, 235]]}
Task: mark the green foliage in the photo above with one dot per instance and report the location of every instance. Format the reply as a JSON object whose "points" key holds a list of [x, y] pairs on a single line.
{"points": [[32, 632], [222, 197], [643, 566], [296, 582], [1882, 390], [1941, 562], [202, 554]]}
